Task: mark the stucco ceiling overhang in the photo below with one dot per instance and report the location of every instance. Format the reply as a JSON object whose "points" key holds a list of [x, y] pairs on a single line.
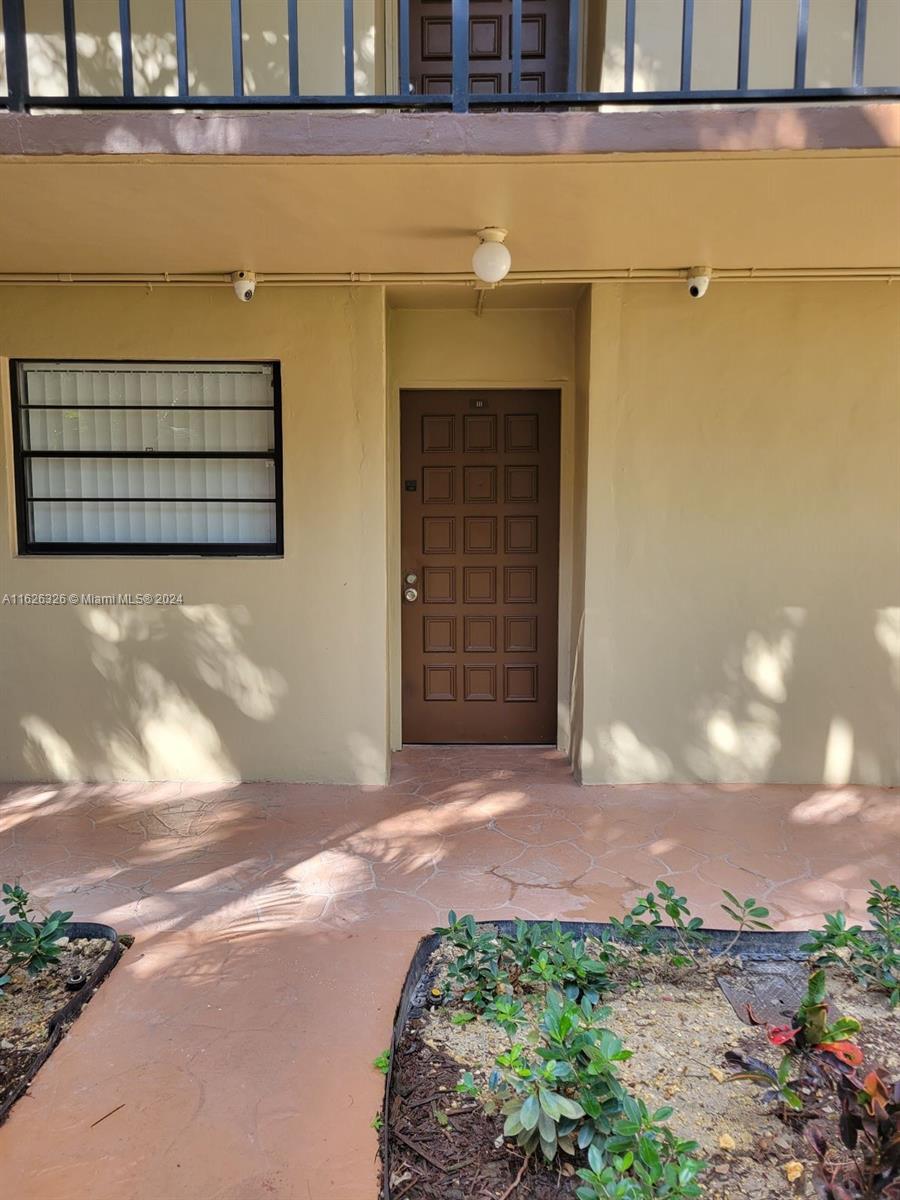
{"points": [[567, 212]]}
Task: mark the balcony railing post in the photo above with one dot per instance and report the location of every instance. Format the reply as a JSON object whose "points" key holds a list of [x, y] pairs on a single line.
{"points": [[744, 45], [802, 40], [127, 55], [687, 43], [349, 65], [16, 53], [71, 47], [516, 40], [859, 42], [181, 54], [293, 24], [628, 82], [574, 65], [237, 47], [403, 43], [460, 55]]}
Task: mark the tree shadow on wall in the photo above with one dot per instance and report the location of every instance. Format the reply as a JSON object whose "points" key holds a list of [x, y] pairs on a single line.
{"points": [[170, 683], [780, 706], [209, 65]]}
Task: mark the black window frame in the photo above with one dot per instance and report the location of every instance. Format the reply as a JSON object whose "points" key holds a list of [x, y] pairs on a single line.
{"points": [[27, 547]]}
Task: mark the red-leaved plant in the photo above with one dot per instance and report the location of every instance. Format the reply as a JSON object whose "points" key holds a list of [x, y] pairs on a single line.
{"points": [[813, 1050], [810, 1029], [870, 1131]]}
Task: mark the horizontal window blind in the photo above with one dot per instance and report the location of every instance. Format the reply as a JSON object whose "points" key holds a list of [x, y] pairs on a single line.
{"points": [[148, 457]]}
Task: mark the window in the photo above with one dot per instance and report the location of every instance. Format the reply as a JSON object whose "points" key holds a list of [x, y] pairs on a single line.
{"points": [[148, 458]]}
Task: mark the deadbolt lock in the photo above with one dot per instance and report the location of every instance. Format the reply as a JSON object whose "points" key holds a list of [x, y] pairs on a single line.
{"points": [[411, 577]]}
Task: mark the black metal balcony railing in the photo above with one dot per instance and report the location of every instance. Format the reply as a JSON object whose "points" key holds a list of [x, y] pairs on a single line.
{"points": [[460, 98]]}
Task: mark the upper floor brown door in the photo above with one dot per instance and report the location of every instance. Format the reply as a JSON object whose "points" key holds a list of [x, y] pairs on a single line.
{"points": [[480, 553], [544, 46]]}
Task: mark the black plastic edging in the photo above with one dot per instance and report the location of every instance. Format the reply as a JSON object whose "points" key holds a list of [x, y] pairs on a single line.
{"points": [[57, 1023], [753, 947]]}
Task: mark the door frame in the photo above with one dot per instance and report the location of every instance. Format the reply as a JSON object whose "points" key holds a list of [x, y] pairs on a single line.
{"points": [[564, 389]]}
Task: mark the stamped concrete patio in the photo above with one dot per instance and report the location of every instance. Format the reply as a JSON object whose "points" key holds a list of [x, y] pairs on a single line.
{"points": [[232, 1045]]}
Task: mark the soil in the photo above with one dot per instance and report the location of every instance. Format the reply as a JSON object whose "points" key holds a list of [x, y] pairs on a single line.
{"points": [[29, 1005], [678, 1024], [679, 1038], [445, 1147]]}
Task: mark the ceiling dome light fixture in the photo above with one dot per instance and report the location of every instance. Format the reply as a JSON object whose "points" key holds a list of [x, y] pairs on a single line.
{"points": [[491, 261]]}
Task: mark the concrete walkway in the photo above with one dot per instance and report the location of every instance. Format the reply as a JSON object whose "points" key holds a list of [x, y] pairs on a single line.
{"points": [[274, 924]]}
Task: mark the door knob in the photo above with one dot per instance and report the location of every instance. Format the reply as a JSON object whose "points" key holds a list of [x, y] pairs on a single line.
{"points": [[410, 594]]}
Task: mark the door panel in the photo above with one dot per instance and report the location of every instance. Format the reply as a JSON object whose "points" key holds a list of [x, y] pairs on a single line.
{"points": [[545, 26], [480, 533]]}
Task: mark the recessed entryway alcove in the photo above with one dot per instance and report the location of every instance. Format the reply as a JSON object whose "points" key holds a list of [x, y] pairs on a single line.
{"points": [[513, 351]]}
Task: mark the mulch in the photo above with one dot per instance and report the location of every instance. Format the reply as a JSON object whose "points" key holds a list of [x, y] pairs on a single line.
{"points": [[36, 1012], [444, 1147]]}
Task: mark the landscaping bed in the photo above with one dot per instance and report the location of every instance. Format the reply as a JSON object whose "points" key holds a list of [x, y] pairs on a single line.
{"points": [[49, 969], [535, 1061]]}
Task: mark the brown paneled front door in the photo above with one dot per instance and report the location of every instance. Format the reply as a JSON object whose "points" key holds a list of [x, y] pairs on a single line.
{"points": [[545, 56], [480, 560]]}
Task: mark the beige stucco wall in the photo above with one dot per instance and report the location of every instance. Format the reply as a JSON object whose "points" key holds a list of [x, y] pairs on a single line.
{"points": [[320, 36], [657, 58], [528, 348], [272, 669], [730, 543], [742, 617]]}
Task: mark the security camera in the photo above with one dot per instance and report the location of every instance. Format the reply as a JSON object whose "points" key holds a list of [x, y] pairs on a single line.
{"points": [[698, 281], [244, 283]]}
